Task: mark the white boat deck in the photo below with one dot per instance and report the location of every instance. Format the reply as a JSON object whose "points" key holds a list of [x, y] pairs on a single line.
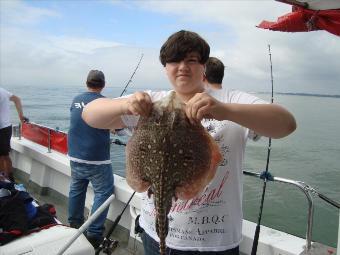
{"points": [[47, 177], [122, 236]]}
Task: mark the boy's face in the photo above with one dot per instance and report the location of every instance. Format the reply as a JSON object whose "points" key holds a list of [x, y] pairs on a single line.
{"points": [[186, 76]]}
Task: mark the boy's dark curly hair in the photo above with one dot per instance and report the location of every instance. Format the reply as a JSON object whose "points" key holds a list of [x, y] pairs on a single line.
{"points": [[180, 44]]}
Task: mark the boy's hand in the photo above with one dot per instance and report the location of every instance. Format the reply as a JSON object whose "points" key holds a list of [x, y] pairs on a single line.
{"points": [[202, 105], [139, 104]]}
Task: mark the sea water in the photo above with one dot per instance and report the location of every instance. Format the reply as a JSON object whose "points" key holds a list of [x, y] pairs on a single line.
{"points": [[311, 154]]}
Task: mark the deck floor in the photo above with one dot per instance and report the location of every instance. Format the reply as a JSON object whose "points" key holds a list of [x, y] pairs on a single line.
{"points": [[125, 247]]}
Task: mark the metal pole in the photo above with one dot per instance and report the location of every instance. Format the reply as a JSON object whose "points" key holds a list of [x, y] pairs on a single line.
{"points": [[305, 188], [49, 141], [19, 131], [89, 221]]}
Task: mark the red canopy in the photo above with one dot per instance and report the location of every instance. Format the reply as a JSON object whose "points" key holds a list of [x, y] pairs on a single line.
{"points": [[302, 19]]}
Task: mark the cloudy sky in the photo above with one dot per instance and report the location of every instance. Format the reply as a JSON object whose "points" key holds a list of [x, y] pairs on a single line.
{"points": [[56, 43]]}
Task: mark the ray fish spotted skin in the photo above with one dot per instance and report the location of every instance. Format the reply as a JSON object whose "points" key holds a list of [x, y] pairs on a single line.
{"points": [[171, 157]]}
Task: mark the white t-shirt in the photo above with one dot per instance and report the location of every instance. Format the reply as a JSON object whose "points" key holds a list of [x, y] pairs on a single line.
{"points": [[4, 108], [212, 221]]}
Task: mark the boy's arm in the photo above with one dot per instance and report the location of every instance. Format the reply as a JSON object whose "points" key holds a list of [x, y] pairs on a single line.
{"points": [[106, 113], [270, 120]]}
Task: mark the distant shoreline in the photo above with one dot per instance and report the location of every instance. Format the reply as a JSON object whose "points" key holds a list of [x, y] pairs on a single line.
{"points": [[301, 94], [133, 89]]}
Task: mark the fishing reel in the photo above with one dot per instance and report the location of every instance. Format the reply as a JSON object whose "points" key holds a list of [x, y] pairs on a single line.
{"points": [[107, 246]]}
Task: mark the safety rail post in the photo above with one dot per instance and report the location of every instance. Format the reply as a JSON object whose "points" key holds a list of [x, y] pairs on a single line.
{"points": [[305, 189], [19, 131], [49, 141], [310, 214]]}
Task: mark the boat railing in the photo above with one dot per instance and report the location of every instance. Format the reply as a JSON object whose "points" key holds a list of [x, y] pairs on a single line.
{"points": [[57, 140], [308, 191], [45, 136], [48, 137]]}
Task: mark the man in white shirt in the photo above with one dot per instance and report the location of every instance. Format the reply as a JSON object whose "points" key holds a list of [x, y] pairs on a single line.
{"points": [[214, 73], [6, 129]]}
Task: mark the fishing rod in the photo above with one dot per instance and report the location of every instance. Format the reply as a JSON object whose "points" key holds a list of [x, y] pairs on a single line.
{"points": [[133, 74], [130, 80], [266, 173], [108, 245]]}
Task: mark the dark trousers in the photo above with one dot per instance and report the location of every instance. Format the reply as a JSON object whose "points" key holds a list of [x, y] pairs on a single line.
{"points": [[5, 141], [151, 247]]}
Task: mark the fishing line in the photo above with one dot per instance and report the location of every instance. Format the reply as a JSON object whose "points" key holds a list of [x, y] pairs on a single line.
{"points": [[266, 173]]}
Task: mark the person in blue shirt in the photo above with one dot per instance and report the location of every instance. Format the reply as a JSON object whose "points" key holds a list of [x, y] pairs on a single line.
{"points": [[89, 154]]}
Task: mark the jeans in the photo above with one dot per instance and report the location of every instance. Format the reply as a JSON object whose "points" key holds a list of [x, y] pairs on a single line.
{"points": [[101, 178], [151, 247]]}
